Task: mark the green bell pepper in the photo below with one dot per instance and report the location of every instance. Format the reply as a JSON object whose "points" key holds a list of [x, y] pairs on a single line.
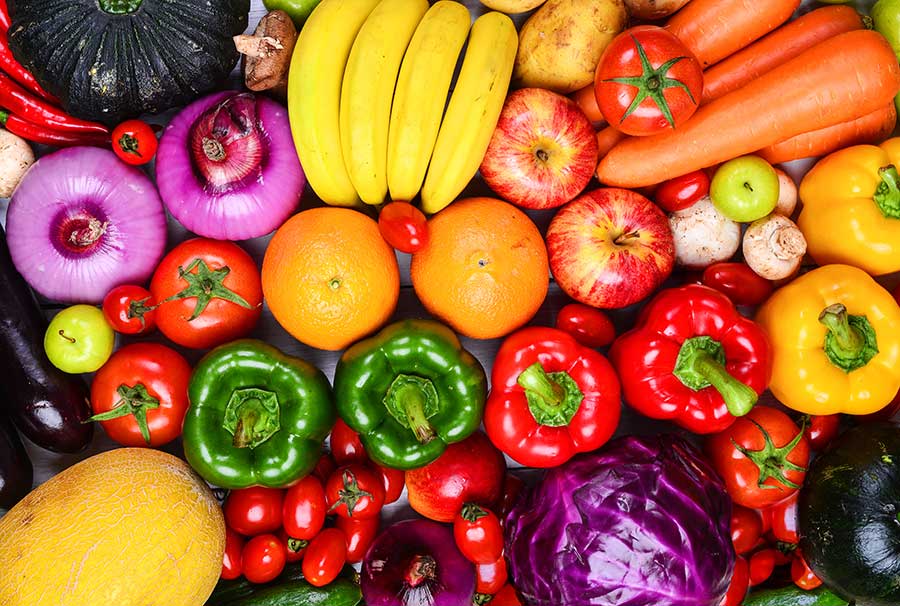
{"points": [[256, 416], [409, 391], [886, 21]]}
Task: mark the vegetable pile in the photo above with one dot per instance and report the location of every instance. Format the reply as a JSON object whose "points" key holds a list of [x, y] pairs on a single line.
{"points": [[535, 303]]}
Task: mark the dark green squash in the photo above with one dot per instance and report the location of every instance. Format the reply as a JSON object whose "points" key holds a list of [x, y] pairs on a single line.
{"points": [[113, 59], [849, 515]]}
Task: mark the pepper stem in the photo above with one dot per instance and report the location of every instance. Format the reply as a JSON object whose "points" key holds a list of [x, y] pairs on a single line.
{"points": [[850, 341], [134, 401], [887, 194], [412, 400], [252, 416], [701, 364], [553, 398]]}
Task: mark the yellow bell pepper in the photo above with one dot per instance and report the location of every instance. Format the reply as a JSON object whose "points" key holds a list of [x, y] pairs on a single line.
{"points": [[851, 208], [835, 336]]}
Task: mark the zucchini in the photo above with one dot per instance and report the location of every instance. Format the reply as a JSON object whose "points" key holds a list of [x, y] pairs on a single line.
{"points": [[794, 596], [289, 589]]}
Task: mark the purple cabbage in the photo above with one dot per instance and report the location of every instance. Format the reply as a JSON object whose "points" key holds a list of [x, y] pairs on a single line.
{"points": [[642, 522]]}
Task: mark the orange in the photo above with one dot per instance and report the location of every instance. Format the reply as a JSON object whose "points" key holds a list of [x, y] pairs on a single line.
{"points": [[329, 277], [484, 270]]}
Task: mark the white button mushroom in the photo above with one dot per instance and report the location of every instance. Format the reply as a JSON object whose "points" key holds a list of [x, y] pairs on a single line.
{"points": [[703, 235], [15, 158], [774, 247]]}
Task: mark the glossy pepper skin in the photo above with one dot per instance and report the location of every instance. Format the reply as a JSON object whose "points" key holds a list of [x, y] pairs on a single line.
{"points": [[551, 398], [409, 391], [835, 336], [851, 208], [257, 417], [693, 359]]}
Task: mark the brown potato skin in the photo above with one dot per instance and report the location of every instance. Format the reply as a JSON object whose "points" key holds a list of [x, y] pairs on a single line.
{"points": [[653, 9]]}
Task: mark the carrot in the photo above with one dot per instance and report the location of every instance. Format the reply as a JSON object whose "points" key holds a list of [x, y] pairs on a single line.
{"points": [[838, 80], [781, 45], [587, 101], [715, 29], [608, 138], [871, 128]]}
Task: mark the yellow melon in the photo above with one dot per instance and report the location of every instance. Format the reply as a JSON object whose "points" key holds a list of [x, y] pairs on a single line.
{"points": [[128, 527]]}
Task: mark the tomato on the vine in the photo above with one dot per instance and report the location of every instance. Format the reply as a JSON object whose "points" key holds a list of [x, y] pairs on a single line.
{"points": [[821, 430], [325, 557], [140, 395], [738, 282], [304, 507], [394, 481], [784, 520], [740, 583], [134, 142], [263, 558], [403, 226], [746, 529], [681, 192], [130, 310], [802, 574], [762, 457], [647, 81], [255, 510], [359, 533], [355, 491], [490, 578], [478, 534], [231, 561], [346, 446], [762, 565], [590, 326], [294, 549]]}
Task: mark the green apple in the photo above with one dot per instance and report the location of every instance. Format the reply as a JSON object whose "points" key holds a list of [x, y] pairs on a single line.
{"points": [[298, 10], [79, 339], [745, 189]]}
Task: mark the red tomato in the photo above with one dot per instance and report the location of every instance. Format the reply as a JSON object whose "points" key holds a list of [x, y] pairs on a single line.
{"points": [[394, 481], [512, 486], [346, 447], [738, 282], [762, 457], [647, 81], [821, 430], [359, 534], [209, 292], [490, 578], [263, 558], [740, 583], [802, 575], [140, 395], [762, 565], [325, 556], [403, 226], [681, 192], [354, 491], [231, 562], [324, 468], [255, 510], [130, 310], [304, 507], [589, 325], [478, 534], [746, 529], [294, 549], [507, 596], [784, 520], [134, 142]]}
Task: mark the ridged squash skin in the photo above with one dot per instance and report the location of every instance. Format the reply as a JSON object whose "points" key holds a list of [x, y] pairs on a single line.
{"points": [[127, 527]]}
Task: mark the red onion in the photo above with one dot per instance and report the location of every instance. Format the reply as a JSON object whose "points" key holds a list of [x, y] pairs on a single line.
{"points": [[81, 222], [227, 167], [416, 563]]}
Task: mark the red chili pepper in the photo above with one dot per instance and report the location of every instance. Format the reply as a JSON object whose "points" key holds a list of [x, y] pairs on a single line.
{"points": [[5, 21], [693, 359], [40, 134], [17, 71], [551, 398], [29, 107]]}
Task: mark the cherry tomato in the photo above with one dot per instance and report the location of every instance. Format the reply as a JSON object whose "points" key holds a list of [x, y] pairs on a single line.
{"points": [[359, 534], [394, 481], [231, 562], [635, 94], [346, 447], [134, 142], [140, 395], [354, 491], [784, 520], [784, 554], [821, 430], [294, 549], [681, 192], [403, 226], [325, 556], [762, 565], [746, 528], [589, 325], [255, 510], [324, 468], [762, 457], [304, 508], [490, 578], [512, 486], [130, 310], [478, 534], [802, 575], [738, 282], [263, 558], [740, 583], [507, 596]]}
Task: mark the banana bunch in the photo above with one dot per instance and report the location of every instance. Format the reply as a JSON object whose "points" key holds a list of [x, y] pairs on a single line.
{"points": [[367, 88]]}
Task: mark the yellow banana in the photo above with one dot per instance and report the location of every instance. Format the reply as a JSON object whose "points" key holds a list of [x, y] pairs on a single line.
{"points": [[368, 89], [474, 109], [314, 93], [421, 95]]}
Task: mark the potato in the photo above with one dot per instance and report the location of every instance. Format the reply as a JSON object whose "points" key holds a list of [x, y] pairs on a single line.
{"points": [[15, 158], [561, 43], [653, 9]]}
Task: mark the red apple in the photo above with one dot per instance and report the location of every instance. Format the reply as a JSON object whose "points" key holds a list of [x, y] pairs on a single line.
{"points": [[610, 248], [543, 152]]}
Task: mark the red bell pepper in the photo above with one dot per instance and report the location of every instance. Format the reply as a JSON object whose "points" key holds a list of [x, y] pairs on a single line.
{"points": [[693, 359], [551, 398]]}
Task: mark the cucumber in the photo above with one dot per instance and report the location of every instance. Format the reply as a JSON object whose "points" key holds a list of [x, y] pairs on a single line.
{"points": [[289, 589], [794, 596]]}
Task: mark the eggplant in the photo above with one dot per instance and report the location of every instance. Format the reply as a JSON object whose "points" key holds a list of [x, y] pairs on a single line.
{"points": [[16, 472], [50, 407]]}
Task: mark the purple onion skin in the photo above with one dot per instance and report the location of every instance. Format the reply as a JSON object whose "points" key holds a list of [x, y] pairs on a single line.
{"points": [[81, 222], [386, 563], [258, 201], [643, 521]]}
